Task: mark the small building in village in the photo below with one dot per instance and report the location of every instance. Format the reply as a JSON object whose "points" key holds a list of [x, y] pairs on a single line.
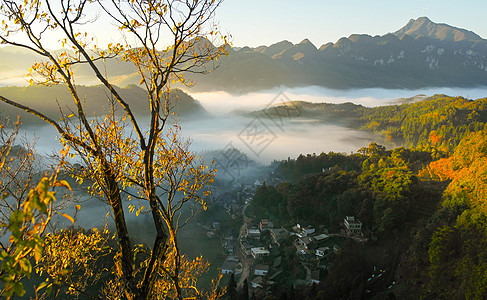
{"points": [[321, 237], [246, 246], [303, 231], [261, 270], [315, 277], [352, 226], [253, 233], [265, 224], [321, 252], [305, 242], [238, 269], [259, 252], [228, 267], [278, 235], [257, 282]]}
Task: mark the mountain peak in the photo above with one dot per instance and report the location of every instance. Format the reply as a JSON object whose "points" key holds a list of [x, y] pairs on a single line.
{"points": [[305, 41], [306, 44], [424, 27], [274, 48], [421, 20]]}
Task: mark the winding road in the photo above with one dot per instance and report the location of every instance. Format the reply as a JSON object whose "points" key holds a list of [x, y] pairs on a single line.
{"points": [[244, 260]]}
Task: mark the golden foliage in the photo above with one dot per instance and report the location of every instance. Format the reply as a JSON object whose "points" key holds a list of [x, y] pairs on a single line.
{"points": [[71, 259], [467, 170]]}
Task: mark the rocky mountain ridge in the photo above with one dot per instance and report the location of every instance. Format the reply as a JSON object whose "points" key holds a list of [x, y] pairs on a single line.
{"points": [[420, 54]]}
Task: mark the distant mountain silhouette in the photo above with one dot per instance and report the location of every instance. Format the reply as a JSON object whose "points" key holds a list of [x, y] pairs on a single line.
{"points": [[421, 54], [274, 49]]}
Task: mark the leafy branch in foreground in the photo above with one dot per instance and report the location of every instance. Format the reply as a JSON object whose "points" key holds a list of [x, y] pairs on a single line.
{"points": [[27, 222]]}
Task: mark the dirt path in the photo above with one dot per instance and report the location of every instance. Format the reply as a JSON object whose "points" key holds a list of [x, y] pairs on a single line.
{"points": [[357, 238]]}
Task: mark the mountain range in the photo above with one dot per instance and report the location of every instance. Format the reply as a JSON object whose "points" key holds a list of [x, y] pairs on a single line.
{"points": [[420, 54]]}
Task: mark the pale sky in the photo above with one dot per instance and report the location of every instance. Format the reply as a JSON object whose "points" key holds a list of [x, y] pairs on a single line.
{"points": [[264, 22], [254, 23]]}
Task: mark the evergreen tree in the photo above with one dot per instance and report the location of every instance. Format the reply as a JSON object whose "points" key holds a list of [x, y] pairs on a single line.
{"points": [[253, 296], [244, 294], [292, 293], [232, 288]]}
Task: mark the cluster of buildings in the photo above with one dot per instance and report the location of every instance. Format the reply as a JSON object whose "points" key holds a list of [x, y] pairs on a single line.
{"points": [[315, 248], [260, 244]]}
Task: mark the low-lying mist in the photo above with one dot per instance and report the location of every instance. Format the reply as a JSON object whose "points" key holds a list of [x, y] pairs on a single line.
{"points": [[222, 102], [263, 139], [260, 138]]}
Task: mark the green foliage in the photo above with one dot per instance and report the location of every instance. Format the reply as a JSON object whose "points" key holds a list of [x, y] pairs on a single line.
{"points": [[347, 274], [266, 202], [376, 185], [295, 169], [387, 176], [439, 250], [437, 123], [26, 228]]}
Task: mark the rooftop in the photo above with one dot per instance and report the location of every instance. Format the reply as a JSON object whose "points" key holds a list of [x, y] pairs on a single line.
{"points": [[259, 250], [352, 220], [262, 267], [321, 237], [228, 265]]}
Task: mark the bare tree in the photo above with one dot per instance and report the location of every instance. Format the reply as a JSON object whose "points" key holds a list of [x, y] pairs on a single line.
{"points": [[154, 161]]}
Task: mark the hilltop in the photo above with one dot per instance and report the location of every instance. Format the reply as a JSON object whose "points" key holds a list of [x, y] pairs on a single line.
{"points": [[51, 99]]}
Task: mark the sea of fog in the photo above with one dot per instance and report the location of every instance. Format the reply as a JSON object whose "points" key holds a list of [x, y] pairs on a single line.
{"points": [[265, 139], [222, 102]]}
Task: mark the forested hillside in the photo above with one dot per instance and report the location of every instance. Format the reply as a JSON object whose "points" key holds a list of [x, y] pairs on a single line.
{"points": [[52, 99], [437, 123], [423, 207], [447, 258]]}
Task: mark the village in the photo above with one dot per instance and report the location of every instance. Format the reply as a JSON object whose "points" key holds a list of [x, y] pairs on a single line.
{"points": [[258, 252]]}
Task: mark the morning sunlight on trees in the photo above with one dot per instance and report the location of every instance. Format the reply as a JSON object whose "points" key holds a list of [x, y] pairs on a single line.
{"points": [[120, 154], [27, 207]]}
